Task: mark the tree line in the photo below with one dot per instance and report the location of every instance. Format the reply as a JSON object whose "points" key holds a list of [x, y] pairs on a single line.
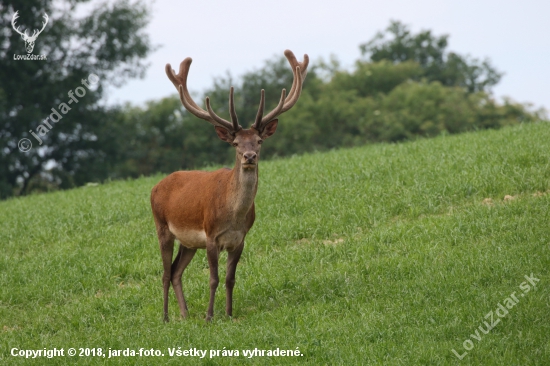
{"points": [[403, 86]]}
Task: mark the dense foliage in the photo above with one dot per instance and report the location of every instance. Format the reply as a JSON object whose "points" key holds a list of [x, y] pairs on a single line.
{"points": [[107, 43]]}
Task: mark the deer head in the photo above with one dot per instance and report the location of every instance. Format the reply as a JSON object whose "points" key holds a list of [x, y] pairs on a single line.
{"points": [[246, 141], [29, 40]]}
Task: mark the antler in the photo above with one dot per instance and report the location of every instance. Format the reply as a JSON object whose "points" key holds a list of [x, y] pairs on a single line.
{"points": [[180, 82], [15, 16], [35, 33], [299, 70]]}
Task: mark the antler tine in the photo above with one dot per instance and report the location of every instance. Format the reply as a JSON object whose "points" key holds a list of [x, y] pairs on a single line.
{"points": [[294, 64], [232, 111], [181, 79], [258, 121], [45, 16], [274, 113], [198, 112], [222, 122], [294, 94], [180, 82], [284, 104], [299, 71], [13, 19]]}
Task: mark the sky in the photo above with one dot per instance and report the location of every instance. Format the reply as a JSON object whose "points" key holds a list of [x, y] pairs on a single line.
{"points": [[239, 35]]}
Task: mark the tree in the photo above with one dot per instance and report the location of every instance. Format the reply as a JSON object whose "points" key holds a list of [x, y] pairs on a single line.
{"points": [[53, 103], [372, 78], [399, 45]]}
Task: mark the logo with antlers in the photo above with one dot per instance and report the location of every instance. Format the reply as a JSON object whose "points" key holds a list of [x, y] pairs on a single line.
{"points": [[29, 40]]}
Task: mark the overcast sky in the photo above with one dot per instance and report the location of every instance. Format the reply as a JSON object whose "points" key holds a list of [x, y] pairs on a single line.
{"points": [[239, 35]]}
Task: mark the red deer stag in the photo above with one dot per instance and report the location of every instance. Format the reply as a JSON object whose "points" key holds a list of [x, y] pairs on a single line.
{"points": [[214, 210]]}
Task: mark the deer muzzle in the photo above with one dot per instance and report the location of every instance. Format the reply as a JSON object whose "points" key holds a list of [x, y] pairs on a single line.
{"points": [[249, 159]]}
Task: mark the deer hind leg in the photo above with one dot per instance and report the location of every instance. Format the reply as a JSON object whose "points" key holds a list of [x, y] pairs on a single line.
{"points": [[232, 260], [212, 252], [166, 242], [184, 257]]}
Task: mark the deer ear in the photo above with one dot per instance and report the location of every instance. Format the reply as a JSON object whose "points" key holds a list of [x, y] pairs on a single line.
{"points": [[224, 134], [269, 129]]}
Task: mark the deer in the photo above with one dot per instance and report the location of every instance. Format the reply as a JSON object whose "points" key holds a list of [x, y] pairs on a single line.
{"points": [[29, 40], [215, 210]]}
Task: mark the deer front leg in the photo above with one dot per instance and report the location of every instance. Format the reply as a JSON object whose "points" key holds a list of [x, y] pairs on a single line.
{"points": [[232, 260], [212, 253]]}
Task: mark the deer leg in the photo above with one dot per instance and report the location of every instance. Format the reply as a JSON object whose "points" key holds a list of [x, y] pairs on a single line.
{"points": [[232, 260], [184, 257], [166, 242], [212, 253]]}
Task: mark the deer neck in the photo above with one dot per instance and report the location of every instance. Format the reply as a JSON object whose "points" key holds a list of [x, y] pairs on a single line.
{"points": [[243, 188]]}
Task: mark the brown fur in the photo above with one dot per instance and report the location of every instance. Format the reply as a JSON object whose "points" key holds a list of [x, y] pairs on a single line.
{"points": [[214, 210], [219, 204]]}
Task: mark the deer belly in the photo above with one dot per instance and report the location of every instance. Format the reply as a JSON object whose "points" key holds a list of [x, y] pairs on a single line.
{"points": [[192, 239]]}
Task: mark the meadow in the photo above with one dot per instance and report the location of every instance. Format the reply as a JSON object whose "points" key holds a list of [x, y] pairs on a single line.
{"points": [[388, 254]]}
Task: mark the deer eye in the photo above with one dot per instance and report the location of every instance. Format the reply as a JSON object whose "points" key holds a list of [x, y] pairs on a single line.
{"points": [[235, 144], [260, 141]]}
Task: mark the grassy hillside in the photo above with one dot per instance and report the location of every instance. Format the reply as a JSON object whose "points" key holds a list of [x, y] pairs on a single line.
{"points": [[387, 254]]}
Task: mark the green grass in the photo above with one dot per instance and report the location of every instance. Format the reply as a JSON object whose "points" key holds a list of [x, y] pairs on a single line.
{"points": [[384, 255]]}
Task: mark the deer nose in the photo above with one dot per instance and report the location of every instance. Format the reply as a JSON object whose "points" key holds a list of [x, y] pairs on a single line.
{"points": [[250, 157]]}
